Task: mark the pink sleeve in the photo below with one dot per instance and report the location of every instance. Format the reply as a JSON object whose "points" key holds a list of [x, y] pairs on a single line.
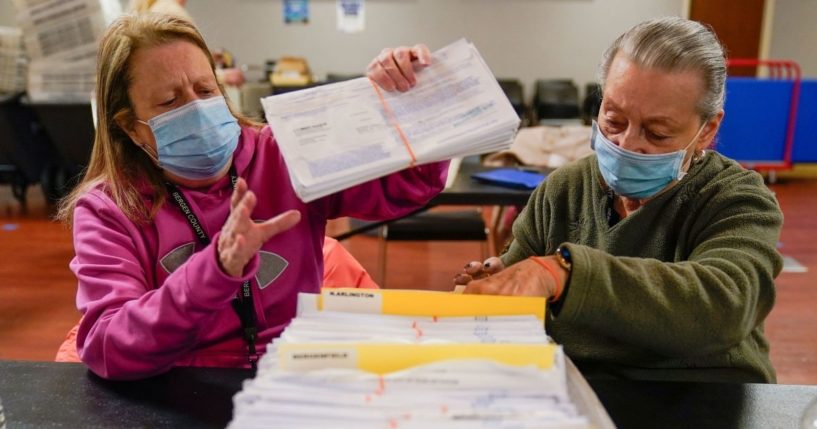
{"points": [[395, 195], [132, 328]]}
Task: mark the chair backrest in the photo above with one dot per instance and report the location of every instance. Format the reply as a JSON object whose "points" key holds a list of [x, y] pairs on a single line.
{"points": [[556, 99], [515, 93], [23, 141], [591, 103], [57, 117]]}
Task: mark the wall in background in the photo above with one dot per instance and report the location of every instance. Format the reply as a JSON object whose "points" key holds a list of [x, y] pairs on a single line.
{"points": [[794, 33], [7, 13], [525, 39]]}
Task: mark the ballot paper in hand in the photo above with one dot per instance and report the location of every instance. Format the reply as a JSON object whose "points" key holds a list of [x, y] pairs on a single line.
{"points": [[344, 134]]}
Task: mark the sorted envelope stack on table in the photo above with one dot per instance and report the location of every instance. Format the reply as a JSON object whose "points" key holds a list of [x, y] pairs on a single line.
{"points": [[416, 359], [340, 135]]}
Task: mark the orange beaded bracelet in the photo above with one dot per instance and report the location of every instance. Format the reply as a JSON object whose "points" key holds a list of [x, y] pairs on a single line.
{"points": [[559, 285]]}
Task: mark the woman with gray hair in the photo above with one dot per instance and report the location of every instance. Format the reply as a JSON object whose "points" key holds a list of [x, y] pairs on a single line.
{"points": [[658, 256]]}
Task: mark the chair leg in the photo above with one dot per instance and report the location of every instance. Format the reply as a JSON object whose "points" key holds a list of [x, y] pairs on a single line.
{"points": [[381, 256]]}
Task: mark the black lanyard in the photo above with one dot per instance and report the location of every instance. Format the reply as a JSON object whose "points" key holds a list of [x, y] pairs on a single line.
{"points": [[242, 303]]}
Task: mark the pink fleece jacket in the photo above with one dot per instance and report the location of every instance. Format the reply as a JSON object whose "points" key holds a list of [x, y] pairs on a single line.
{"points": [[152, 299]]}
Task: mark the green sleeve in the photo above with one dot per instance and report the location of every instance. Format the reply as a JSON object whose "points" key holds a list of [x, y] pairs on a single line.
{"points": [[708, 303], [529, 229]]}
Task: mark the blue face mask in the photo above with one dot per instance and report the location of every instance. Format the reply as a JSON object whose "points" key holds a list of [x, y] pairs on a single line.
{"points": [[637, 175], [195, 141]]}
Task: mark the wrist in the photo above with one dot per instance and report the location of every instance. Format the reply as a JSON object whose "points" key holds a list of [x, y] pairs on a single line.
{"points": [[558, 274], [226, 264], [231, 264], [226, 268]]}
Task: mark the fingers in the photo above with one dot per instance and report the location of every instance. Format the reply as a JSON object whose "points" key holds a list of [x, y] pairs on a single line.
{"points": [[402, 56], [473, 288], [379, 76], [473, 268], [239, 220], [479, 270], [395, 68], [280, 223], [462, 279], [481, 287], [493, 265], [241, 237], [246, 205], [421, 53], [389, 64], [490, 286], [238, 193]]}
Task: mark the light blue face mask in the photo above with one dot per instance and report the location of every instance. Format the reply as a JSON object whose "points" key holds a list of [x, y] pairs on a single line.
{"points": [[195, 141], [637, 175]]}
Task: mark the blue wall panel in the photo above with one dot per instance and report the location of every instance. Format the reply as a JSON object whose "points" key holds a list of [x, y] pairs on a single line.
{"points": [[805, 136], [754, 127]]}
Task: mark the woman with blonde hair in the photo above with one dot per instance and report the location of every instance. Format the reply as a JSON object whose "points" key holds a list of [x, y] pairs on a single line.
{"points": [[167, 7], [191, 245]]}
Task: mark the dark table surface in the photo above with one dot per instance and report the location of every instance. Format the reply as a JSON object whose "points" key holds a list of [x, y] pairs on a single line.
{"points": [[45, 394]]}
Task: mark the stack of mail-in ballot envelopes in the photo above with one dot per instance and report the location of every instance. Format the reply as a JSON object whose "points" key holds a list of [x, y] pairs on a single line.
{"points": [[416, 359]]}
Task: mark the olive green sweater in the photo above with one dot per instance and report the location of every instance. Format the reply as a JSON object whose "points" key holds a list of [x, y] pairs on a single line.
{"points": [[677, 290]]}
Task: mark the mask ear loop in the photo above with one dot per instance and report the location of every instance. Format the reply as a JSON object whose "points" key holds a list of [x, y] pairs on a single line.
{"points": [[145, 149], [692, 159]]}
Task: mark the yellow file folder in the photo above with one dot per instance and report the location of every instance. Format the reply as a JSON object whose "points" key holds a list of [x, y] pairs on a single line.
{"points": [[386, 358], [428, 303]]}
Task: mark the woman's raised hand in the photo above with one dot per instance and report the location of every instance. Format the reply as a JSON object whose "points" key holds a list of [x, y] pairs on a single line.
{"points": [[241, 237], [395, 68]]}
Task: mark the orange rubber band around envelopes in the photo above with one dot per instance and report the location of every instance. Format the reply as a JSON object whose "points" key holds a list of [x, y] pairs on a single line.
{"points": [[395, 124]]}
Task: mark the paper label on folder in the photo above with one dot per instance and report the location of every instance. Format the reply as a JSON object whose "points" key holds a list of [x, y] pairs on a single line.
{"points": [[352, 300], [309, 358], [384, 358], [427, 303]]}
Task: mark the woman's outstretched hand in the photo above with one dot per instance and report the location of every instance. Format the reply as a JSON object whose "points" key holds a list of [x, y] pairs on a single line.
{"points": [[241, 237]]}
